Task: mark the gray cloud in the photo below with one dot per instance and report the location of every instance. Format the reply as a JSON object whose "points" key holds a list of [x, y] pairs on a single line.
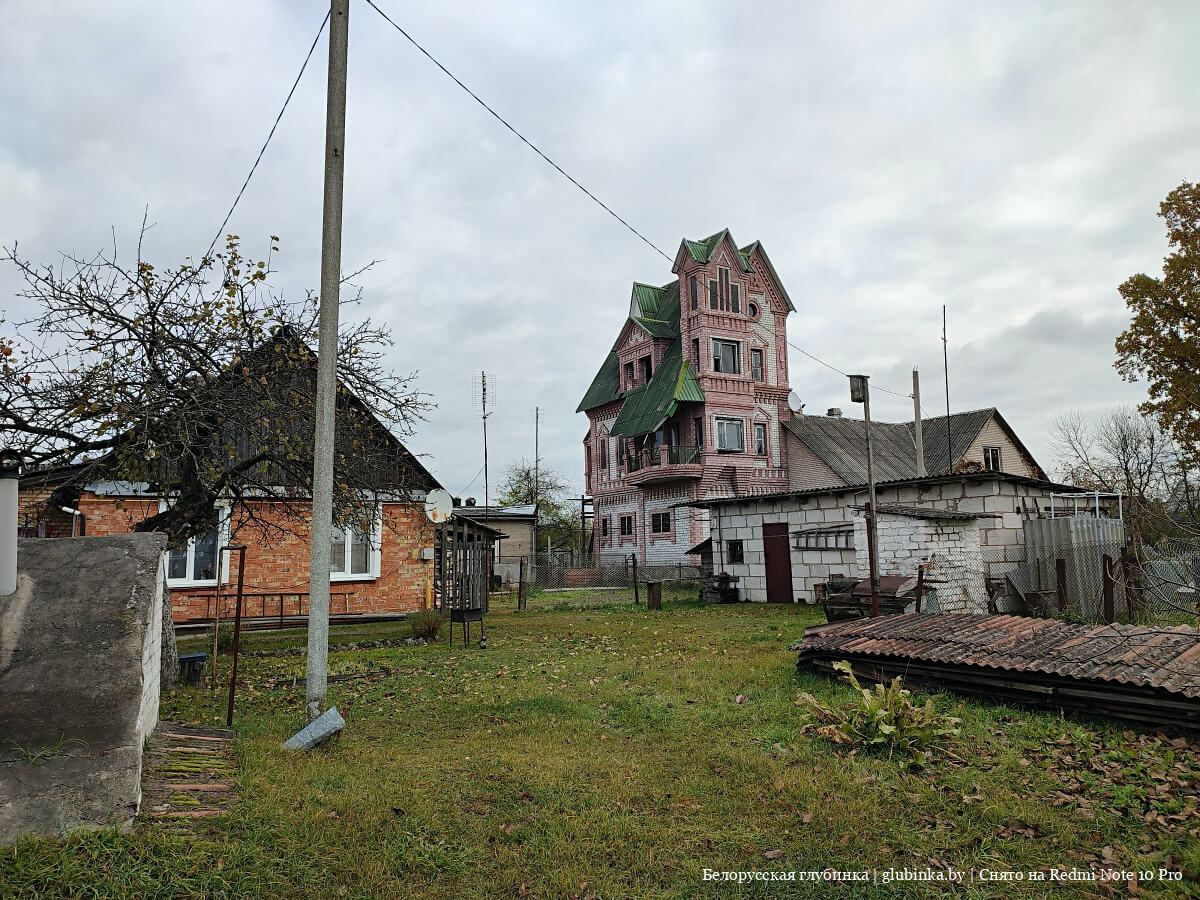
{"points": [[1004, 160]]}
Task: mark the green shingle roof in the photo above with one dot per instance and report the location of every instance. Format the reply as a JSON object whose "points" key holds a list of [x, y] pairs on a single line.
{"points": [[605, 387], [702, 250], [647, 407]]}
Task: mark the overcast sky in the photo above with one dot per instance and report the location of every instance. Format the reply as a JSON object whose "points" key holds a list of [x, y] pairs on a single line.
{"points": [[1006, 160]]}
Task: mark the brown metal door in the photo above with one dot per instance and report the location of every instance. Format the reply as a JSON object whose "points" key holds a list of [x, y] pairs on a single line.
{"points": [[778, 563]]}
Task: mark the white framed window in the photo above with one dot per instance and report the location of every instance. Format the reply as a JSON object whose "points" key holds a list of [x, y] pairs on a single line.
{"points": [[195, 564], [727, 356], [660, 523], [731, 435], [353, 552], [991, 459], [756, 364], [760, 439]]}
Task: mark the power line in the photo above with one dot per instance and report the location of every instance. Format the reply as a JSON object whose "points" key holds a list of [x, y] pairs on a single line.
{"points": [[828, 365], [499, 118], [271, 134]]}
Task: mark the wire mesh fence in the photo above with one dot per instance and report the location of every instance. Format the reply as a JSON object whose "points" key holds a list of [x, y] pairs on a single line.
{"points": [[1107, 581], [575, 580]]}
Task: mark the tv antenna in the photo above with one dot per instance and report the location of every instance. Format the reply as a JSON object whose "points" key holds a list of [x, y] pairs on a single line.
{"points": [[483, 392]]}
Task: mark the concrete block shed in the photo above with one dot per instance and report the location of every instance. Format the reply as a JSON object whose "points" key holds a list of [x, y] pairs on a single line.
{"points": [[821, 544], [79, 681]]}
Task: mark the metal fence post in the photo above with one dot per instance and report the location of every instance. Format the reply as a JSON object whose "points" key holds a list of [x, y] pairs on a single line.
{"points": [[237, 631], [633, 559], [521, 585], [1060, 583], [1108, 583]]}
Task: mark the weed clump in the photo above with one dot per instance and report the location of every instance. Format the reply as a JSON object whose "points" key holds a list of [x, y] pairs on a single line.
{"points": [[882, 719]]}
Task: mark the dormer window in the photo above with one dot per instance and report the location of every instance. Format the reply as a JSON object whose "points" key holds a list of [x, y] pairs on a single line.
{"points": [[693, 291], [628, 370], [646, 364]]}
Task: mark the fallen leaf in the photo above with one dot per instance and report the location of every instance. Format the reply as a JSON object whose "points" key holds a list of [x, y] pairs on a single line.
{"points": [[773, 854], [741, 698]]}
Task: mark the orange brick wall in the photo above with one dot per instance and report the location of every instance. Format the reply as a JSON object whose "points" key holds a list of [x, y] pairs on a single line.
{"points": [[282, 566]]}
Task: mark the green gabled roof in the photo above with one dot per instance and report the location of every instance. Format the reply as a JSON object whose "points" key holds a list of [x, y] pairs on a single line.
{"points": [[657, 329], [658, 303], [702, 250], [646, 408], [605, 387]]}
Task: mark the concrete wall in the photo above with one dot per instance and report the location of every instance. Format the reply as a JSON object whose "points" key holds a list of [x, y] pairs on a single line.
{"points": [[79, 682]]}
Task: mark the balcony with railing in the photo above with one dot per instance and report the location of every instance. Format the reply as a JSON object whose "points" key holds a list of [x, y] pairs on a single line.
{"points": [[667, 463]]}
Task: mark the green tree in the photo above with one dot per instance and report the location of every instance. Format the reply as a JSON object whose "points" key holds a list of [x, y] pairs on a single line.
{"points": [[558, 514], [1162, 342]]}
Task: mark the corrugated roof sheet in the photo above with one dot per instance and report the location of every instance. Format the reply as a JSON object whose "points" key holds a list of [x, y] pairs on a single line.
{"points": [[1164, 658], [647, 407], [842, 443]]}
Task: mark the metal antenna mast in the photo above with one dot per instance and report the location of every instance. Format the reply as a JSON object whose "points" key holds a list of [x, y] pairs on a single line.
{"points": [[946, 373]]}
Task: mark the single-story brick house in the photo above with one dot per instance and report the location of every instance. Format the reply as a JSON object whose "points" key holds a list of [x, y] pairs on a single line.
{"points": [[388, 568]]}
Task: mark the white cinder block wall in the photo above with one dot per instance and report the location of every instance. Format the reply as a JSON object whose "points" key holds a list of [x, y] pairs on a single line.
{"points": [[1001, 539], [948, 547]]}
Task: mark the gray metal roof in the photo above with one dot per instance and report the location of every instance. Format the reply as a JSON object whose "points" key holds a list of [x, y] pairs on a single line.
{"points": [[496, 512], [842, 443], [860, 488], [921, 512]]}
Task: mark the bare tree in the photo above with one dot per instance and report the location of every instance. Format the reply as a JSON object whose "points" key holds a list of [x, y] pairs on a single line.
{"points": [[1125, 452], [199, 382]]}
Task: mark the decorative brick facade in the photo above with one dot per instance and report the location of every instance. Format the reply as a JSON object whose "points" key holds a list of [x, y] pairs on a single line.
{"points": [[671, 456]]}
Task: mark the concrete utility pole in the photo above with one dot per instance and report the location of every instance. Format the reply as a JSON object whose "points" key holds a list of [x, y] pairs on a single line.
{"points": [[326, 399], [860, 392], [918, 437]]}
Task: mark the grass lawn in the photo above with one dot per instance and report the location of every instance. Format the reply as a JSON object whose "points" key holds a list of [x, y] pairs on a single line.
{"points": [[599, 750]]}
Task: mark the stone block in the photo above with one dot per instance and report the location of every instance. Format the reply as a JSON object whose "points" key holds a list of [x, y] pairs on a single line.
{"points": [[1013, 520], [78, 682], [972, 504], [1001, 536], [997, 504], [979, 488]]}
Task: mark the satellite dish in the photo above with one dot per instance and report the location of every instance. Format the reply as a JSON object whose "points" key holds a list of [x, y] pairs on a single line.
{"points": [[794, 403], [438, 506]]}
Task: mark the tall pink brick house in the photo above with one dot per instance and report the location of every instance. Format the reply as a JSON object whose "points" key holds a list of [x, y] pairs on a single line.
{"points": [[689, 402]]}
